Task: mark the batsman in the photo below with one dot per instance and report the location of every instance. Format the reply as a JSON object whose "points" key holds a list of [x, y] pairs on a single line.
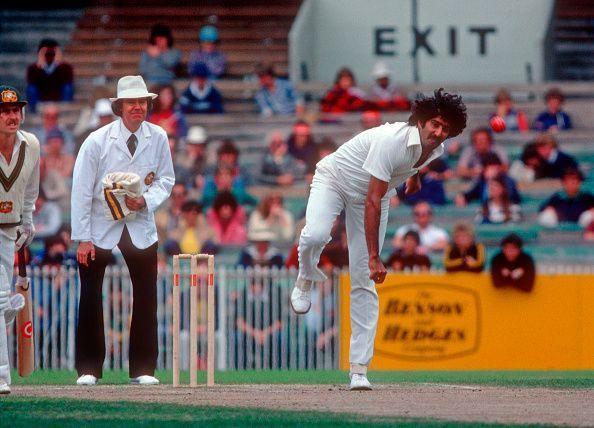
{"points": [[19, 187]]}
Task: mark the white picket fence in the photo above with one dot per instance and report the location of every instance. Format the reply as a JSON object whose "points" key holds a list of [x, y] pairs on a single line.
{"points": [[255, 327]]}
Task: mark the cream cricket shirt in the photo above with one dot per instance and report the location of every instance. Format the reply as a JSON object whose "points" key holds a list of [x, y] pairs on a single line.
{"points": [[387, 152], [105, 151]]}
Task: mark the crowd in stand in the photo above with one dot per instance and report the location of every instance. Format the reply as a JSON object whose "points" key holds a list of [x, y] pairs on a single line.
{"points": [[211, 206]]}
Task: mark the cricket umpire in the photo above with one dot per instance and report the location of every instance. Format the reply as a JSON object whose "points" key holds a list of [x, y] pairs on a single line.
{"points": [[128, 147]]}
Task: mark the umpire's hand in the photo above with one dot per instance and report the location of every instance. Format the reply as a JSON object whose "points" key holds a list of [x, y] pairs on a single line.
{"points": [[85, 249]]}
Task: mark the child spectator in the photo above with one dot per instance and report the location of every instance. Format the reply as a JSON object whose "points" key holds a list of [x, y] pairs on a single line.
{"points": [[302, 146], [432, 238], [570, 204], [260, 253], [224, 181], [481, 143], [166, 113], [159, 61], [529, 167], [193, 233], [50, 78], [208, 53], [553, 119], [270, 215], [409, 258], [344, 96], [201, 96], [227, 220], [464, 254], [276, 96], [554, 161], [384, 94], [191, 165], [479, 191], [515, 120], [512, 267], [278, 166], [55, 160], [498, 208]]}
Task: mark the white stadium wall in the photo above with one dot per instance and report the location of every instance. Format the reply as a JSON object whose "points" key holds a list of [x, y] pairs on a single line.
{"points": [[456, 41]]}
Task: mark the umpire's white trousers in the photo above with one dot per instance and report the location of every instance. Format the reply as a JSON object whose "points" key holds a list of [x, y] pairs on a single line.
{"points": [[329, 195]]}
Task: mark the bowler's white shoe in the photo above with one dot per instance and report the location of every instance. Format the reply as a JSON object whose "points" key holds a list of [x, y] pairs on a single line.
{"points": [[144, 380], [4, 388], [301, 296], [87, 380], [17, 302], [359, 382]]}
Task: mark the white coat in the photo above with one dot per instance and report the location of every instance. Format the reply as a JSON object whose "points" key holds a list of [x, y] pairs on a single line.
{"points": [[105, 151]]}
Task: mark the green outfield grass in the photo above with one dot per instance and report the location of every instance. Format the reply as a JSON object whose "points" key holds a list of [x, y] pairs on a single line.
{"points": [[547, 379], [26, 412]]}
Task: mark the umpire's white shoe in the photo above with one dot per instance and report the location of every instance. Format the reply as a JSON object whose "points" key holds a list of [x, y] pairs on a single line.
{"points": [[301, 296], [359, 382], [87, 380], [144, 380], [4, 388], [17, 302]]}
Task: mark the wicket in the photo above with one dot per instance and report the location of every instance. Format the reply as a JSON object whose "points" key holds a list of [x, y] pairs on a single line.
{"points": [[195, 281]]}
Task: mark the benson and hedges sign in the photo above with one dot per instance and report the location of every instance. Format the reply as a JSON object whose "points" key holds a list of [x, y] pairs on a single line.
{"points": [[460, 321]]}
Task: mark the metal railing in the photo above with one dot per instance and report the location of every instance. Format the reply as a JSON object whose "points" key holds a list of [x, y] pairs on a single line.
{"points": [[255, 326]]}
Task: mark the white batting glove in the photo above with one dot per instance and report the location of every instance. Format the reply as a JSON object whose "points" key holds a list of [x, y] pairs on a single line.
{"points": [[27, 233]]}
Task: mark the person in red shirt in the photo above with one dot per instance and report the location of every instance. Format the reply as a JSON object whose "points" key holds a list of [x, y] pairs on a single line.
{"points": [[344, 96]]}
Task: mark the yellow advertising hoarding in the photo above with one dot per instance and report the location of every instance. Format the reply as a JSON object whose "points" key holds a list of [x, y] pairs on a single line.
{"points": [[460, 321]]}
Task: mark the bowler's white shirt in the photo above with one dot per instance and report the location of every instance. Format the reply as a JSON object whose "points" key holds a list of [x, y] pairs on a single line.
{"points": [[105, 151], [387, 152]]}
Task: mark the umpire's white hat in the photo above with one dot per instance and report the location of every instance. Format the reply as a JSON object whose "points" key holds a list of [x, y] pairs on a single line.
{"points": [[132, 87]]}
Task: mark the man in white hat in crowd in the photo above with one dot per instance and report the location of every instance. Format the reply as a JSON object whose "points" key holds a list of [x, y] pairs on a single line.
{"points": [[127, 145], [19, 179], [384, 93]]}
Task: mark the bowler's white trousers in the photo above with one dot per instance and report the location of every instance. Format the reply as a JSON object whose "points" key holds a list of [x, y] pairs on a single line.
{"points": [[329, 195]]}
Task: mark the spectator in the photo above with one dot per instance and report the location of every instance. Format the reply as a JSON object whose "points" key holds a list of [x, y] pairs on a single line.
{"points": [[515, 120], [432, 238], [208, 53], [409, 258], [479, 191], [224, 181], [168, 215], [47, 217], [498, 208], [553, 119], [555, 162], [50, 78], [201, 96], [50, 119], [193, 234], [166, 113], [56, 253], [54, 158], [159, 61], [529, 167], [87, 118], [570, 204], [278, 166], [512, 267], [260, 253], [432, 189], [370, 119], [464, 254], [344, 96], [302, 146], [100, 116], [191, 166], [469, 164], [276, 96], [385, 95], [270, 215], [227, 219]]}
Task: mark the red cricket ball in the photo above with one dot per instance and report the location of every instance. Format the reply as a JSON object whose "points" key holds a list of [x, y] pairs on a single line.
{"points": [[497, 124]]}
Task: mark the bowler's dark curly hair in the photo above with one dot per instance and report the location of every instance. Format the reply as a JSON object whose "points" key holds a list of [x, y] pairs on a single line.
{"points": [[449, 106]]}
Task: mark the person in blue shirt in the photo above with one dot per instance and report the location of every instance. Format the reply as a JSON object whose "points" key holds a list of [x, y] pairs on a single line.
{"points": [[159, 61], [553, 119], [208, 53], [276, 96], [201, 96]]}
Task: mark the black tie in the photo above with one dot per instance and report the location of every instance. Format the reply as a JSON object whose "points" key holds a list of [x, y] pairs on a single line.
{"points": [[132, 144]]}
